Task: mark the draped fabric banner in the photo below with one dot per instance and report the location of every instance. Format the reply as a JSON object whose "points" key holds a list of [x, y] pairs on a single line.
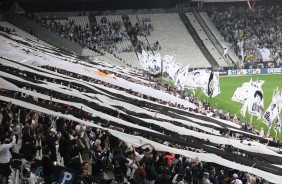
{"points": [[137, 141], [102, 101]]}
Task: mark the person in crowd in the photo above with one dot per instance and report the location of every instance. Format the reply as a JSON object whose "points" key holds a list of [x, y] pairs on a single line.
{"points": [[163, 177], [149, 167], [25, 176], [65, 147], [48, 166], [100, 155], [50, 141], [34, 179], [140, 174], [188, 176], [5, 155], [75, 156], [119, 162]]}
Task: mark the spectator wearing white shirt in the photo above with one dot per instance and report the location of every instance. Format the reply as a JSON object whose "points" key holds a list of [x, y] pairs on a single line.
{"points": [[33, 179], [5, 157]]}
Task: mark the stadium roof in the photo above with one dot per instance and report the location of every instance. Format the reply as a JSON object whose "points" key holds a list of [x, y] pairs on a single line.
{"points": [[101, 5], [225, 1]]}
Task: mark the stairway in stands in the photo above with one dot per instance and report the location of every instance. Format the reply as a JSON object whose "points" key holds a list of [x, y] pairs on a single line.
{"points": [[198, 41]]}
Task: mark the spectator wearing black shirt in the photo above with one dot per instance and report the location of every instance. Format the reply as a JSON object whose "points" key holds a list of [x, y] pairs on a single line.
{"points": [[119, 164], [74, 155], [65, 147], [98, 162], [163, 178], [50, 141], [48, 166]]}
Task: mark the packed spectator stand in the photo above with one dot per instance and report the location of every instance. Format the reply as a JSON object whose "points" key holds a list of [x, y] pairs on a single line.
{"points": [[251, 30], [44, 141]]}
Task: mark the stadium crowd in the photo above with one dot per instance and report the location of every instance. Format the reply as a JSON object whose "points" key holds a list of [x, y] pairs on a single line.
{"points": [[250, 30], [65, 140], [103, 35], [143, 164]]}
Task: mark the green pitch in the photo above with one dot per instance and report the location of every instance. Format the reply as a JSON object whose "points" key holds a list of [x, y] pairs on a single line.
{"points": [[228, 85]]}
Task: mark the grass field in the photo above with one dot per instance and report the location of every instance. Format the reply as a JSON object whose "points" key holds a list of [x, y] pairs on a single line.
{"points": [[228, 85]]}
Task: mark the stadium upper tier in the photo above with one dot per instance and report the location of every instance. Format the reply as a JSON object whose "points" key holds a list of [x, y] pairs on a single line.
{"points": [[175, 40], [81, 21], [108, 32], [123, 47], [135, 20], [168, 35]]}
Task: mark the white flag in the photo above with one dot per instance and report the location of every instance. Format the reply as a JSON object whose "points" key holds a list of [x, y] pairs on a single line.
{"points": [[170, 68], [212, 88], [167, 61], [256, 99], [181, 77], [277, 126], [240, 95], [150, 63], [251, 95], [265, 53], [273, 111], [143, 58]]}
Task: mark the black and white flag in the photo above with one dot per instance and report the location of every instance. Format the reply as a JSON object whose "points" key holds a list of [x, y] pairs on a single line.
{"points": [[277, 125], [273, 111], [253, 99], [212, 88]]}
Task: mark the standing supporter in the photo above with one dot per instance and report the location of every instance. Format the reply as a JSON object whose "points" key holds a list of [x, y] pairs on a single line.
{"points": [[129, 165], [74, 156], [134, 166], [33, 179], [150, 168], [188, 176], [5, 156], [140, 174], [65, 147], [27, 134], [196, 171], [119, 162], [98, 167], [169, 157], [25, 176], [50, 141], [163, 177], [48, 166]]}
